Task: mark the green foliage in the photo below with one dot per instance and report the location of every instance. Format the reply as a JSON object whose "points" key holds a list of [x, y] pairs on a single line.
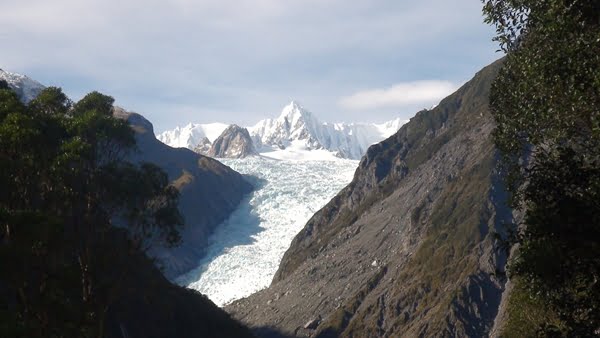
{"points": [[4, 85], [546, 102], [64, 181], [51, 101], [144, 199], [9, 102], [548, 90], [559, 255], [529, 316], [94, 102]]}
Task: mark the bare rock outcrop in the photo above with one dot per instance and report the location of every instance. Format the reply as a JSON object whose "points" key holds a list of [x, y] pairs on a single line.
{"points": [[203, 148], [234, 142]]}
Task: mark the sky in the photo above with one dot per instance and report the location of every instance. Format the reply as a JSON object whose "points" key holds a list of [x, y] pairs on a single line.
{"points": [[202, 61]]}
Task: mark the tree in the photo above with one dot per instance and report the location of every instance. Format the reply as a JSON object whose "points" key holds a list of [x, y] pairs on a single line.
{"points": [[4, 85], [546, 102], [9, 101], [94, 102], [65, 182], [51, 101]]}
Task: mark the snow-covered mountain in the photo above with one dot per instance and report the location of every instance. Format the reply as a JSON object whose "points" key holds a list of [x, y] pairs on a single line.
{"points": [[296, 133], [192, 135], [26, 88]]}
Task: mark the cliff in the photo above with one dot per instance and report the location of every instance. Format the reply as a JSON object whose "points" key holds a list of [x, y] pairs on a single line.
{"points": [[234, 142]]}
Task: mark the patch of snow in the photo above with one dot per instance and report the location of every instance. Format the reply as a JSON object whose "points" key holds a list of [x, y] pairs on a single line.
{"points": [[26, 88], [296, 151], [191, 135], [296, 124]]}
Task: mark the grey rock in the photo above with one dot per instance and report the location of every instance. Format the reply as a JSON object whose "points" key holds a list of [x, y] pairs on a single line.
{"points": [[203, 148], [234, 142], [313, 323]]}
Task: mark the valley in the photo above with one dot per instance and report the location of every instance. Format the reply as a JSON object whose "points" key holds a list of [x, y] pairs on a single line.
{"points": [[159, 179], [244, 252]]}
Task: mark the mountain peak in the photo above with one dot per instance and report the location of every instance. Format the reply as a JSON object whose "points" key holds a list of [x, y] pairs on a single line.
{"points": [[294, 112], [234, 142], [295, 104], [299, 128], [26, 88]]}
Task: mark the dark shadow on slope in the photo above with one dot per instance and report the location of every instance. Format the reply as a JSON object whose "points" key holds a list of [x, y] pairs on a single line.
{"points": [[237, 230], [242, 224]]}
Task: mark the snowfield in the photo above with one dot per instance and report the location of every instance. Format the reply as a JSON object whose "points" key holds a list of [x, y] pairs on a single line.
{"points": [[191, 135], [295, 127], [244, 252]]}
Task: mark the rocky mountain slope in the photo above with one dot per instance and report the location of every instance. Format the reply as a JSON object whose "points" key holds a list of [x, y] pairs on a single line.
{"points": [[234, 142], [41, 291], [295, 128], [209, 192], [407, 249]]}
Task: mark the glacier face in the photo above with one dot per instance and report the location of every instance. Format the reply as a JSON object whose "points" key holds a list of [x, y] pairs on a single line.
{"points": [[299, 129], [244, 252]]}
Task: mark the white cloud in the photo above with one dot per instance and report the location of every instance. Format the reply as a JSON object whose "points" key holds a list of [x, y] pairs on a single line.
{"points": [[399, 95], [240, 55]]}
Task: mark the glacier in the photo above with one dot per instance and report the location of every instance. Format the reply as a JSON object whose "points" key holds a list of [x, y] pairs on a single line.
{"points": [[244, 252]]}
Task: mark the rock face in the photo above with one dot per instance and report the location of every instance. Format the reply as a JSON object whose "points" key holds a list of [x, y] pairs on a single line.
{"points": [[209, 192], [234, 142], [203, 148], [407, 249]]}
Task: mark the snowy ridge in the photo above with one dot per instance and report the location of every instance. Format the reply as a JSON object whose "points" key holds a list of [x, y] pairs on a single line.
{"points": [[192, 135], [26, 88], [296, 134]]}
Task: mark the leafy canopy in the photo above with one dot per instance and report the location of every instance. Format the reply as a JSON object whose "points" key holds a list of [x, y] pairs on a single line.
{"points": [[65, 183], [546, 102]]}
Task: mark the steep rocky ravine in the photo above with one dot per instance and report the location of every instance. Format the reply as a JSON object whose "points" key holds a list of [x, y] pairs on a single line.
{"points": [[407, 249]]}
